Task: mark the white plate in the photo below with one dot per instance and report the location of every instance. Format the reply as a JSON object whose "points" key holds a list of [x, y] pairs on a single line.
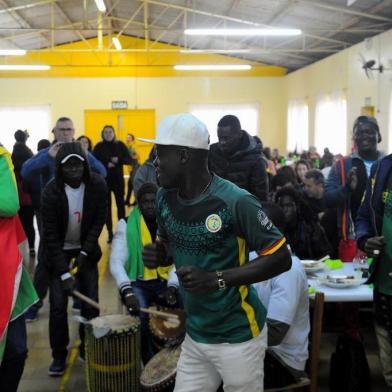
{"points": [[342, 285], [312, 265]]}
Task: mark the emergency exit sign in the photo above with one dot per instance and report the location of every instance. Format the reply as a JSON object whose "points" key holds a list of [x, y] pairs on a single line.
{"points": [[119, 104]]}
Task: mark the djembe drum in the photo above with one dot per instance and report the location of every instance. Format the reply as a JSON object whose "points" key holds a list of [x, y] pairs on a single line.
{"points": [[164, 330], [113, 361], [160, 372]]}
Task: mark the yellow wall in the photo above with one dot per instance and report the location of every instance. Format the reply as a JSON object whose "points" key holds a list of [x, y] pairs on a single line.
{"points": [[71, 96], [343, 71]]}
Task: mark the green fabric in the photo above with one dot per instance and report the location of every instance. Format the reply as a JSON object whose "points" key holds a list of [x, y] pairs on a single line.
{"points": [[134, 266], [26, 297], [9, 200], [215, 231], [383, 281], [334, 264]]}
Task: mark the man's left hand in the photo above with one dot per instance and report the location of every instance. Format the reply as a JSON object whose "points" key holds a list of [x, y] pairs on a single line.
{"points": [[196, 280], [81, 261]]}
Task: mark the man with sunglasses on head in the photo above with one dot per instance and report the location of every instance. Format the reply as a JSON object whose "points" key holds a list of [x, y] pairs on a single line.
{"points": [[43, 165]]}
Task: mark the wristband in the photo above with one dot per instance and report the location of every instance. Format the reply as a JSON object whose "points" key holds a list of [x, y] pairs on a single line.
{"points": [[66, 276]]}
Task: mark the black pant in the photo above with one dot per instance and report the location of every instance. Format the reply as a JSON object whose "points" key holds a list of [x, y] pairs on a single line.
{"points": [[41, 273], [26, 215], [276, 374], [58, 319], [118, 190], [15, 355]]}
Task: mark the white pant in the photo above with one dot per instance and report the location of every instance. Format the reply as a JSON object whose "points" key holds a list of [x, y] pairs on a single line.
{"points": [[201, 367]]}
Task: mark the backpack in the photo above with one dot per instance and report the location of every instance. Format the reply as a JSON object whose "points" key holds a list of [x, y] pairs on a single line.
{"points": [[349, 369]]}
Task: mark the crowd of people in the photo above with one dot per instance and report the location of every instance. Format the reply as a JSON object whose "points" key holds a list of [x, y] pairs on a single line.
{"points": [[216, 229]]}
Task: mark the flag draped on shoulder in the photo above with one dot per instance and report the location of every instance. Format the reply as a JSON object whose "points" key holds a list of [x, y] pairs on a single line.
{"points": [[17, 293]]}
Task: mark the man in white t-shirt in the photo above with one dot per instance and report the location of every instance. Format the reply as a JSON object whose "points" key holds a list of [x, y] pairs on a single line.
{"points": [[74, 209], [285, 297]]}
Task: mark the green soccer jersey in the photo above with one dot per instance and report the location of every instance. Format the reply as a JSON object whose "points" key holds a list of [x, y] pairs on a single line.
{"points": [[216, 231]]}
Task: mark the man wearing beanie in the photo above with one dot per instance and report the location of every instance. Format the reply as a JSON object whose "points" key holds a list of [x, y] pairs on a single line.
{"points": [[238, 157], [74, 208], [344, 191], [347, 179], [42, 165], [137, 284], [206, 227]]}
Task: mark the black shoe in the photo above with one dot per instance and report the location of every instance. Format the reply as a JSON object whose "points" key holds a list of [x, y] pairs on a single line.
{"points": [[57, 368]]}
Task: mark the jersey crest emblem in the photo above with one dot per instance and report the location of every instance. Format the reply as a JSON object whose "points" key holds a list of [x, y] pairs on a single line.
{"points": [[213, 223]]}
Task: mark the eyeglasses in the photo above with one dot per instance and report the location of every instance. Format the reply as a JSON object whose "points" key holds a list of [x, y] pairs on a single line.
{"points": [[64, 129]]}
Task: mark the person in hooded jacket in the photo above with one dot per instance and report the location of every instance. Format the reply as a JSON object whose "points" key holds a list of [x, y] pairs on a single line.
{"points": [[237, 157], [113, 154], [74, 209], [20, 154]]}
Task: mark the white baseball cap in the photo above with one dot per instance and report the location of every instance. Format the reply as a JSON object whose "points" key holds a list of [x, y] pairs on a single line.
{"points": [[183, 129]]}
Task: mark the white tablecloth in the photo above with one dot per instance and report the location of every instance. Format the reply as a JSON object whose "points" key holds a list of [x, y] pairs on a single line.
{"points": [[362, 293]]}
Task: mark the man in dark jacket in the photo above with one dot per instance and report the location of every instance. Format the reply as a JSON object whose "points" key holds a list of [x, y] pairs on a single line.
{"points": [[113, 154], [237, 157], [42, 165], [20, 154], [347, 181], [374, 236], [74, 208]]}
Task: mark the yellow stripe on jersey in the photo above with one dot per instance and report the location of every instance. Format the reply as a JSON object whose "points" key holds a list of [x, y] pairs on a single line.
{"points": [[249, 311], [273, 248]]}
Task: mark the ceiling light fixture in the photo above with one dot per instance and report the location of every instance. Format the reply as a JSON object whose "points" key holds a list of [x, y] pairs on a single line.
{"points": [[197, 51], [100, 5], [24, 67], [117, 43], [263, 32], [213, 67], [12, 52]]}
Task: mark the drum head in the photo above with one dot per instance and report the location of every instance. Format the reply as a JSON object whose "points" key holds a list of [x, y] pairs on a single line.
{"points": [[161, 370], [115, 323], [168, 329]]}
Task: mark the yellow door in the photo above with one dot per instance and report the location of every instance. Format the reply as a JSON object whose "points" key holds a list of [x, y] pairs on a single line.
{"points": [[140, 123]]}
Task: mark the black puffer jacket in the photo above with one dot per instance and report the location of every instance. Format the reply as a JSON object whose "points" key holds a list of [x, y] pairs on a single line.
{"points": [[245, 168], [54, 211]]}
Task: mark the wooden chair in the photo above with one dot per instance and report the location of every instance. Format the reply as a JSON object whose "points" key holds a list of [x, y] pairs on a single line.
{"points": [[310, 384]]}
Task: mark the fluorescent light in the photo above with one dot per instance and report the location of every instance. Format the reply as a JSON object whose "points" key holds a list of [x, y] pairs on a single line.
{"points": [[12, 52], [117, 43], [264, 32], [213, 67], [196, 51], [100, 5], [24, 67]]}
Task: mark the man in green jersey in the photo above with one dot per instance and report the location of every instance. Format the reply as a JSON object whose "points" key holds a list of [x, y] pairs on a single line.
{"points": [[206, 226]]}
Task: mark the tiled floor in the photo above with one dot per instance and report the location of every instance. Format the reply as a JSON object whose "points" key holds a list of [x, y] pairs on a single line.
{"points": [[35, 378]]}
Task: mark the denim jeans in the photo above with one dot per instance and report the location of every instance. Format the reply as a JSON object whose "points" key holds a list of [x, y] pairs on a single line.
{"points": [[15, 355]]}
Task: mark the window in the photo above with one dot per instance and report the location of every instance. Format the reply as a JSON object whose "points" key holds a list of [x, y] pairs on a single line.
{"points": [[331, 123], [36, 119], [210, 114], [297, 126]]}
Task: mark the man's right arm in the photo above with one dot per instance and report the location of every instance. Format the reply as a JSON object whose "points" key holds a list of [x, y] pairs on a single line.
{"points": [[335, 194], [36, 164]]}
